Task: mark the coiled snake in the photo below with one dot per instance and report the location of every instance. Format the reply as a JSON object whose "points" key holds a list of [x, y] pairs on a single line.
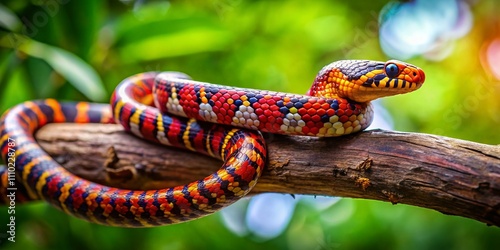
{"points": [[337, 104]]}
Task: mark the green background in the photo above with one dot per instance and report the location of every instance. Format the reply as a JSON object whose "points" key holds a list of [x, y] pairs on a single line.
{"points": [[80, 50]]}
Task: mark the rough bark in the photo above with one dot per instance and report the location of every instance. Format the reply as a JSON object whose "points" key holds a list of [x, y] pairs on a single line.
{"points": [[448, 175]]}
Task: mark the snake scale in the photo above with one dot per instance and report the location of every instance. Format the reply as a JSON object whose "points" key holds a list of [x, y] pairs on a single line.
{"points": [[216, 120]]}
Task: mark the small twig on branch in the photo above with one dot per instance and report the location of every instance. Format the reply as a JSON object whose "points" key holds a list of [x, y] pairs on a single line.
{"points": [[448, 175]]}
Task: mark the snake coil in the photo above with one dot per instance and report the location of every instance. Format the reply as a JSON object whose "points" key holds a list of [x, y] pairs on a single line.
{"points": [[219, 121]]}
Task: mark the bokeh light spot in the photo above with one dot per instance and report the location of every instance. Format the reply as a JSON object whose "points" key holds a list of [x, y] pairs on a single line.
{"points": [[269, 214], [422, 27], [493, 57]]}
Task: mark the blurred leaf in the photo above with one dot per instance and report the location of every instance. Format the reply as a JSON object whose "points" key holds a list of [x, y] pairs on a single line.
{"points": [[84, 23], [8, 19], [81, 75], [78, 72], [183, 43], [6, 65], [16, 90], [133, 30]]}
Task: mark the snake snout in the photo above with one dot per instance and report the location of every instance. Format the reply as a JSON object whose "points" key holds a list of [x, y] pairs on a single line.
{"points": [[412, 74], [420, 77], [415, 75]]}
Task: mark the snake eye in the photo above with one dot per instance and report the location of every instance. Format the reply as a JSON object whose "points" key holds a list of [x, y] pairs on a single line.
{"points": [[391, 70]]}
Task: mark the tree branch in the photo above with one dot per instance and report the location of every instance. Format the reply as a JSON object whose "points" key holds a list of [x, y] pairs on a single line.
{"points": [[448, 175]]}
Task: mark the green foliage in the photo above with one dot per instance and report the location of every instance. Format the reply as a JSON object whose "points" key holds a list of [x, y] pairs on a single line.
{"points": [[80, 50]]}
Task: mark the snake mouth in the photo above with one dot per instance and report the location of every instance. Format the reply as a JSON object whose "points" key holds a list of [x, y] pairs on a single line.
{"points": [[398, 85], [386, 88]]}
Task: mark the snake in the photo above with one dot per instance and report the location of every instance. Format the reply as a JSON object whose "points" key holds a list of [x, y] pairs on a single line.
{"points": [[170, 108]]}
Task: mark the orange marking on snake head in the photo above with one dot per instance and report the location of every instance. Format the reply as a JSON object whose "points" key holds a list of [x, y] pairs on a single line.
{"points": [[364, 81]]}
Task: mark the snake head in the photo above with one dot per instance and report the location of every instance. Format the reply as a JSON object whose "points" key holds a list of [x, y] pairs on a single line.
{"points": [[363, 81]]}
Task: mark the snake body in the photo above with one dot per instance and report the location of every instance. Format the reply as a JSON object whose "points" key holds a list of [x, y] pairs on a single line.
{"points": [[219, 121]]}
